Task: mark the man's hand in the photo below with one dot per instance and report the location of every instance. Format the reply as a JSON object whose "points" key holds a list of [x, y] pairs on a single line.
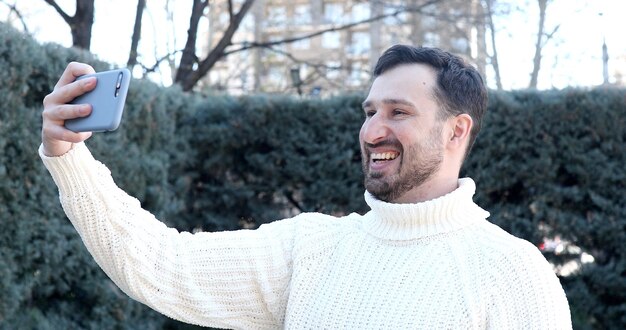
{"points": [[56, 139]]}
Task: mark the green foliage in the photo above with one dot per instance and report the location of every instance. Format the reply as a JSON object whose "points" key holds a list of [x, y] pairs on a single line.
{"points": [[48, 280], [258, 159], [546, 164], [554, 161]]}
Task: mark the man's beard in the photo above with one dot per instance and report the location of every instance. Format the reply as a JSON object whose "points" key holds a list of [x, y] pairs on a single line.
{"points": [[418, 164]]}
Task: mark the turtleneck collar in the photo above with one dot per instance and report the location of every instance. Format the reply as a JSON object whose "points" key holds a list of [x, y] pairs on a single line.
{"points": [[411, 221]]}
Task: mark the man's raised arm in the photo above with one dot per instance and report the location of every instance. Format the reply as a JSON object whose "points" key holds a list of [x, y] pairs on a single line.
{"points": [[229, 280]]}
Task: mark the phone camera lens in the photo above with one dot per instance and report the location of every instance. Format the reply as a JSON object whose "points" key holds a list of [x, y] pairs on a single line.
{"points": [[118, 84]]}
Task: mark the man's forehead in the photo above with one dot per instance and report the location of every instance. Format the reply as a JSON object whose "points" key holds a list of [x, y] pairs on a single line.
{"points": [[403, 83], [416, 72]]}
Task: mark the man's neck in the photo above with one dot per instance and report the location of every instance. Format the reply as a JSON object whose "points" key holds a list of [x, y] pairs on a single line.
{"points": [[431, 189]]}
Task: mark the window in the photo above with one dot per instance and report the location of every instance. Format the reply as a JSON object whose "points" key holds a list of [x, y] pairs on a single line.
{"points": [[431, 39], [399, 18], [360, 11], [428, 22], [360, 43], [331, 40], [224, 19], [279, 47], [302, 44], [333, 13], [358, 74], [460, 45], [302, 14], [275, 76], [247, 23], [276, 16], [305, 71], [332, 69]]}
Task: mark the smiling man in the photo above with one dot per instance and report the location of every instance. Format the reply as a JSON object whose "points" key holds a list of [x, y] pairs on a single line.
{"points": [[418, 126], [424, 257], [401, 138]]}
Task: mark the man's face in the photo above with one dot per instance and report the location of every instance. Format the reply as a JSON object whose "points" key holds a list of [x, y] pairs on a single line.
{"points": [[401, 137]]}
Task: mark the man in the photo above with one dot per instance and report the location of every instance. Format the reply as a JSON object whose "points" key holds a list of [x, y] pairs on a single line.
{"points": [[424, 256]]}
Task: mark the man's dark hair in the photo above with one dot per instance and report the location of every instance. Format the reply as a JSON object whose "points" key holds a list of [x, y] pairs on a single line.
{"points": [[460, 88]]}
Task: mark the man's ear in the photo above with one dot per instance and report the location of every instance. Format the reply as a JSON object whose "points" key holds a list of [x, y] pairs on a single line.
{"points": [[461, 126]]}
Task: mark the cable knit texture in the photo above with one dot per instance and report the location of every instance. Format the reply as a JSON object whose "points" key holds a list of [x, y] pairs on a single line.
{"points": [[433, 265]]}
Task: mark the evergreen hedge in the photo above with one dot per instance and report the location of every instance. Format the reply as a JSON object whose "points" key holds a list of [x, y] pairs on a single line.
{"points": [[546, 164]]}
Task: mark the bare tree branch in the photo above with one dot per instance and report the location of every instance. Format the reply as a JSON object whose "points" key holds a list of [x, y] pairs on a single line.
{"points": [[230, 9], [153, 68], [543, 4], [13, 8], [293, 201], [190, 77], [189, 58], [320, 69], [400, 10], [171, 43], [67, 18], [81, 23], [494, 57], [231, 76], [550, 35], [299, 61], [192, 69], [132, 57]]}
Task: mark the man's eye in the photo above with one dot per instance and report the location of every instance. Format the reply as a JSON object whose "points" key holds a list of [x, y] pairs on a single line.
{"points": [[370, 113], [398, 112]]}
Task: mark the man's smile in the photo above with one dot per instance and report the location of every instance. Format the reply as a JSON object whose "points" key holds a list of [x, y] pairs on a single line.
{"points": [[384, 156], [381, 160]]}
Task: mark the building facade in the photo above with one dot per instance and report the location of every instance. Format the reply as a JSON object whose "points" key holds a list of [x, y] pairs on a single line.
{"points": [[334, 44]]}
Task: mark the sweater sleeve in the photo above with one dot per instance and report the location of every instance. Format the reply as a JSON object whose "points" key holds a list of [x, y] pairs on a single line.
{"points": [[235, 279], [525, 293]]}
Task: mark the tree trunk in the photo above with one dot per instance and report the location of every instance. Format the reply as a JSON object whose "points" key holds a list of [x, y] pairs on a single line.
{"points": [[494, 57], [187, 76], [478, 13], [80, 24], [132, 57], [539, 45], [605, 63], [415, 36], [189, 57], [376, 9]]}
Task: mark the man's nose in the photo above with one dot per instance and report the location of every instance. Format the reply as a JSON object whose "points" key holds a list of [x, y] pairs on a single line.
{"points": [[374, 129]]}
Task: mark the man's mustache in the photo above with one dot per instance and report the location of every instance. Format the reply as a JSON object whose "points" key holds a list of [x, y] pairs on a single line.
{"points": [[386, 143]]}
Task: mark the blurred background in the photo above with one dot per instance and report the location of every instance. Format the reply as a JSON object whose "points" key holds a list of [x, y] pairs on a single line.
{"points": [[247, 111], [322, 47]]}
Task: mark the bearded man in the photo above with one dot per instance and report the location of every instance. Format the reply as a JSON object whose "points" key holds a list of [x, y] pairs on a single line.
{"points": [[423, 257]]}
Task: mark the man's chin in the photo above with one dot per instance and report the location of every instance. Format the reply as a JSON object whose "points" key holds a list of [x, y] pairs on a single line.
{"points": [[380, 189]]}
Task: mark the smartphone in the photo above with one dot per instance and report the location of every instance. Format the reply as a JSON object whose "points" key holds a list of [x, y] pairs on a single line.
{"points": [[107, 102]]}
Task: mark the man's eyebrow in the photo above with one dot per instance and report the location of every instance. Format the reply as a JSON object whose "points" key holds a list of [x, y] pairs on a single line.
{"points": [[391, 101]]}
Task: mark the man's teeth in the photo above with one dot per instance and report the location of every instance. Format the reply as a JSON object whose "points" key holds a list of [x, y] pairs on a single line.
{"points": [[384, 156]]}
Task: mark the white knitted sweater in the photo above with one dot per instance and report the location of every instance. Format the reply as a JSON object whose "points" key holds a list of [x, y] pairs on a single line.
{"points": [[432, 265]]}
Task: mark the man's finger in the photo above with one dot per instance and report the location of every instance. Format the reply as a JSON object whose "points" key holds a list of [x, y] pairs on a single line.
{"points": [[66, 111], [60, 133], [67, 93], [73, 71]]}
